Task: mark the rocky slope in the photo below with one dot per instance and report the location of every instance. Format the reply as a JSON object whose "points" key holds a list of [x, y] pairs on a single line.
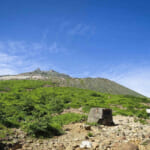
{"points": [[126, 135]]}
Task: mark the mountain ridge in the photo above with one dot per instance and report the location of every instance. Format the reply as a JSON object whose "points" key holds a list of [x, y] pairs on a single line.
{"points": [[96, 84]]}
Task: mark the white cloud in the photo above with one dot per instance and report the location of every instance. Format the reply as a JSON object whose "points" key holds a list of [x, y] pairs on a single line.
{"points": [[11, 64], [15, 46], [30, 48], [80, 29], [137, 80], [7, 71], [21, 56], [6, 64], [5, 58], [55, 48]]}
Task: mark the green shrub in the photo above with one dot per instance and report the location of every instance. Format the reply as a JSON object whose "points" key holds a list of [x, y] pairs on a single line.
{"points": [[42, 127], [90, 134], [95, 94]]}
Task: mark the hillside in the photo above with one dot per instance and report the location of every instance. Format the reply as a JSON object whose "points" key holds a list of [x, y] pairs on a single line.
{"points": [[32, 105], [96, 84], [34, 111], [99, 85]]}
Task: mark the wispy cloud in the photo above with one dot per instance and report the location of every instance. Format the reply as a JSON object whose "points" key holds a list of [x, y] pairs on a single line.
{"points": [[6, 64], [55, 48], [21, 56], [13, 47], [13, 64], [136, 79], [80, 29], [7, 71], [4, 58]]}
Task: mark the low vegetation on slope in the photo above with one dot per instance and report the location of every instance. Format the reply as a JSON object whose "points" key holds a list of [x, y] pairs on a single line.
{"points": [[96, 84], [36, 106]]}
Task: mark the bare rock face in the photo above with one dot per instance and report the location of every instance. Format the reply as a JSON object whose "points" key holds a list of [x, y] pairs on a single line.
{"points": [[101, 116]]}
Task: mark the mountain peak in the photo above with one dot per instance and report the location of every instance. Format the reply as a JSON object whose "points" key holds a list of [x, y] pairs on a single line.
{"points": [[52, 71], [38, 70]]}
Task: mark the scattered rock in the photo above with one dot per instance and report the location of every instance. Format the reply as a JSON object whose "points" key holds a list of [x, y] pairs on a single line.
{"points": [[127, 135], [95, 145], [86, 144], [87, 127]]}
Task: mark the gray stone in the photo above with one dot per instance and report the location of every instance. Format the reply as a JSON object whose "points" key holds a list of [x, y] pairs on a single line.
{"points": [[101, 116]]}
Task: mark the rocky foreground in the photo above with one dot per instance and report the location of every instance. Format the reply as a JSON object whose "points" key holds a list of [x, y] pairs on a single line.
{"points": [[126, 135]]}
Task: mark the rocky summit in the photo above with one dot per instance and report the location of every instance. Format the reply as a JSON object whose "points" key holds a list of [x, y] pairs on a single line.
{"points": [[127, 134]]}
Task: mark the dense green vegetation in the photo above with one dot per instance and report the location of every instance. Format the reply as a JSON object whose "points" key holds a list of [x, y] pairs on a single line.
{"points": [[36, 106]]}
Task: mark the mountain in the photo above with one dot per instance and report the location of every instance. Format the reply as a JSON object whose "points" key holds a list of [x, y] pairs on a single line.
{"points": [[97, 84], [51, 73]]}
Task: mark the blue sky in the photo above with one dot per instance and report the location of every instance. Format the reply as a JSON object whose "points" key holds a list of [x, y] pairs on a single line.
{"points": [[96, 38]]}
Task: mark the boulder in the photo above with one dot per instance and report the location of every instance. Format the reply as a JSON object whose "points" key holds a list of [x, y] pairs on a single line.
{"points": [[101, 116]]}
